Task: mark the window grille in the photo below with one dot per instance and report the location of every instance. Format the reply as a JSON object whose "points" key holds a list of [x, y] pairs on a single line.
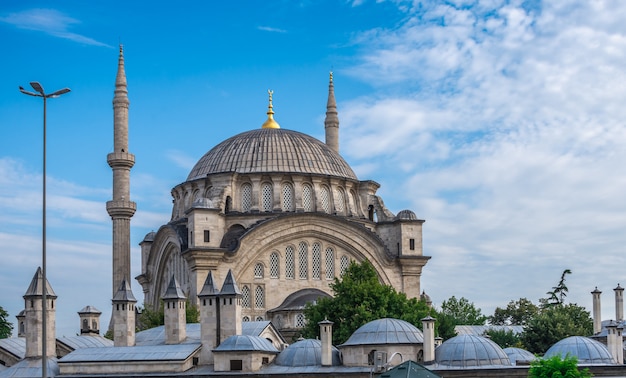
{"points": [[339, 201], [317, 261], [246, 319], [259, 297], [330, 263], [245, 297], [300, 321], [266, 192], [343, 264], [246, 197], [259, 319], [289, 263], [325, 197], [274, 268], [307, 197], [258, 270], [303, 260], [288, 202]]}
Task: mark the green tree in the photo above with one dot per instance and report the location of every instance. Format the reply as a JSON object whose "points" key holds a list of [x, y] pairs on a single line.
{"points": [[518, 312], [359, 298], [504, 338], [150, 318], [555, 323], [559, 292], [555, 367], [6, 327], [463, 311]]}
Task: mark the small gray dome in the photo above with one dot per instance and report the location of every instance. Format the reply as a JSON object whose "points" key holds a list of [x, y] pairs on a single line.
{"points": [[406, 215], [149, 236], [588, 351], [306, 352], [519, 354], [469, 350], [272, 151], [386, 331], [246, 343], [90, 310]]}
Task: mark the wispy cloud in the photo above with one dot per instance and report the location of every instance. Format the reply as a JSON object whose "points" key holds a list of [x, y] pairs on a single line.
{"points": [[49, 21], [271, 29]]}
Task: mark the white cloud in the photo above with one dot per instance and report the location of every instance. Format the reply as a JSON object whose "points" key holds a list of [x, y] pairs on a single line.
{"points": [[271, 29], [49, 21], [506, 127]]}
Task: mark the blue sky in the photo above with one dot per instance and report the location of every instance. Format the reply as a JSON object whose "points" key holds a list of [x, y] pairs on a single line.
{"points": [[501, 123]]}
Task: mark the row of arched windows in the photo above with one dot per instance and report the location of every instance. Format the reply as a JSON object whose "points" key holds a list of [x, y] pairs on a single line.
{"points": [[246, 297]]}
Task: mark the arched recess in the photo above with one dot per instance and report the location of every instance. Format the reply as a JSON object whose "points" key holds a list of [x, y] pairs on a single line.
{"points": [[355, 240]]}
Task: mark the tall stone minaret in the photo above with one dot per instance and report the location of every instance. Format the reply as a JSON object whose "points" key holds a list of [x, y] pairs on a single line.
{"points": [[121, 208], [331, 123]]}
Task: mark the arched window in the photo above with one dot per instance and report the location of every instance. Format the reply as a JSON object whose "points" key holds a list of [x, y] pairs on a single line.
{"points": [[94, 325], [300, 320], [85, 324], [317, 261], [340, 201], [289, 263], [266, 196], [325, 198], [229, 205], [274, 265], [259, 319], [303, 259], [259, 297], [258, 270], [307, 197], [343, 264], [246, 197], [330, 263], [245, 297], [288, 198], [246, 319]]}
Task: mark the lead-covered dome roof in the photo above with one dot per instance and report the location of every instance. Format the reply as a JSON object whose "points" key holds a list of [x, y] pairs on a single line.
{"points": [[588, 351], [469, 350], [386, 331], [272, 151], [305, 352]]}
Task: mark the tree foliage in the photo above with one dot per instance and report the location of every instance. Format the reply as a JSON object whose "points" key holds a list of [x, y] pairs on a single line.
{"points": [[150, 318], [359, 298], [504, 338], [518, 312], [463, 311], [6, 327], [558, 293], [555, 367], [555, 323]]}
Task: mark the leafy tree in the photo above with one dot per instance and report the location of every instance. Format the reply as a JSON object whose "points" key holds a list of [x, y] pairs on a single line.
{"points": [[150, 318], [555, 323], [504, 338], [518, 312], [555, 367], [559, 292], [359, 298], [463, 311], [6, 327], [445, 325]]}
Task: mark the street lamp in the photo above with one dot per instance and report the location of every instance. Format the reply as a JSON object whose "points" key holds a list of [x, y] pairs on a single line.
{"points": [[40, 93]]}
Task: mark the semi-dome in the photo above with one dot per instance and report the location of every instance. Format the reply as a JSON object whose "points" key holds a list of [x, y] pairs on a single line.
{"points": [[307, 352], [272, 151], [588, 351], [470, 350], [386, 331]]}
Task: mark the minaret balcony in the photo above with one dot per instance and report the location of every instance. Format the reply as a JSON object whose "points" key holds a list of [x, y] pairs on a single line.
{"points": [[121, 209], [121, 159]]}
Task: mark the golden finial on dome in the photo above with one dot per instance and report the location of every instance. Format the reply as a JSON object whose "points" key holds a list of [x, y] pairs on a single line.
{"points": [[270, 123]]}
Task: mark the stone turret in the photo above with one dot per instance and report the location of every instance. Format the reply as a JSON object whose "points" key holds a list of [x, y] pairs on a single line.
{"points": [[209, 330], [175, 313], [597, 317], [619, 303], [33, 317], [326, 338], [124, 316], [229, 316], [89, 320], [428, 329]]}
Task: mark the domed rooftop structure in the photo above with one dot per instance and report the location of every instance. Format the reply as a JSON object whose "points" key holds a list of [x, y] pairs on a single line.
{"points": [[406, 215], [272, 151], [386, 331], [469, 350], [588, 351], [519, 354], [306, 352]]}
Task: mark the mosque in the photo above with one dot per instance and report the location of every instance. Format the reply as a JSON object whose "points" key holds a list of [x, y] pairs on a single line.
{"points": [[263, 223]]}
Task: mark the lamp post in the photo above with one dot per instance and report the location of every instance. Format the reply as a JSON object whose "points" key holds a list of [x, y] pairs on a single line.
{"points": [[40, 93]]}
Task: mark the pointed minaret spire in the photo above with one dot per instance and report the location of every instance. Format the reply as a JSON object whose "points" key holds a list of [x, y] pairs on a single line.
{"points": [[270, 123], [331, 123], [120, 208], [33, 314]]}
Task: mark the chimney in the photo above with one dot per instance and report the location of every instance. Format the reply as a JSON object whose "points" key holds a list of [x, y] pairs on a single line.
{"points": [[428, 326], [611, 339], [326, 337], [174, 313], [597, 318], [209, 329], [619, 303]]}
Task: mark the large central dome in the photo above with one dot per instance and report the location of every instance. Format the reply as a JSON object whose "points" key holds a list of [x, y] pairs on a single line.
{"points": [[271, 151]]}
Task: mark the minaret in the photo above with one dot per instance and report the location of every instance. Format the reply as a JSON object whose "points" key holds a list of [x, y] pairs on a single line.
{"points": [[619, 303], [33, 307], [175, 313], [124, 316], [121, 208], [209, 329], [331, 123], [597, 318]]}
